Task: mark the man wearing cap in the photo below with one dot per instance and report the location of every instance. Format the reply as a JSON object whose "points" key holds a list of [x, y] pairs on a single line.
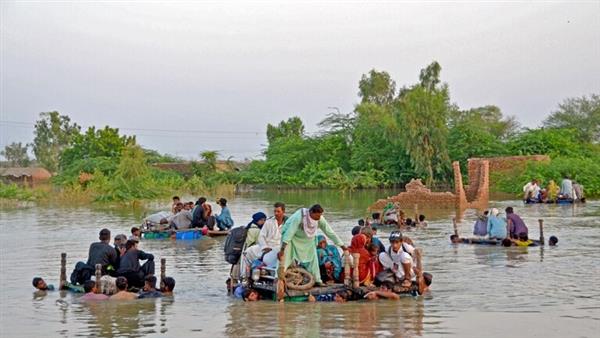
{"points": [[299, 239], [102, 253], [397, 259]]}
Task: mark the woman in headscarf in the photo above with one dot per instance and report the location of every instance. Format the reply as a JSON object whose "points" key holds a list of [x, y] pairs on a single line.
{"points": [[357, 246], [258, 219], [330, 262], [496, 226]]}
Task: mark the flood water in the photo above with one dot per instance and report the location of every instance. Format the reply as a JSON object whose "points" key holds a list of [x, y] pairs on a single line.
{"points": [[477, 291]]}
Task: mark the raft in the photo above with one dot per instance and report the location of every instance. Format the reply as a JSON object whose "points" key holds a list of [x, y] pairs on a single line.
{"points": [[191, 234], [217, 233], [484, 241]]}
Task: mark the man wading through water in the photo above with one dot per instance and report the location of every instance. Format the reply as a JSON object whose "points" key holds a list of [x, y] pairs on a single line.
{"points": [[299, 241]]}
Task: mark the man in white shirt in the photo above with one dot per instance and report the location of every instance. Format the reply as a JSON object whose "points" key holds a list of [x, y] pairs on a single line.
{"points": [[531, 190], [269, 240], [398, 258]]}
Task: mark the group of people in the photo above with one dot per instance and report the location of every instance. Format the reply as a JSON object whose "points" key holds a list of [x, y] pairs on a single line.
{"points": [[511, 229], [568, 190], [394, 216], [197, 214], [294, 240], [120, 261]]}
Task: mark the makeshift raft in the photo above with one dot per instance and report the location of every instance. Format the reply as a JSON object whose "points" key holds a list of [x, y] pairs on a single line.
{"points": [[282, 286], [101, 284], [558, 201], [191, 234], [483, 241]]}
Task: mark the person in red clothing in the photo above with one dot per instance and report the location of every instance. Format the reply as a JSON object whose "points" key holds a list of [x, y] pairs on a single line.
{"points": [[357, 246]]}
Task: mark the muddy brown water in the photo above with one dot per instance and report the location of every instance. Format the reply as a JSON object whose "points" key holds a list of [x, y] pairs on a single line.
{"points": [[478, 291]]}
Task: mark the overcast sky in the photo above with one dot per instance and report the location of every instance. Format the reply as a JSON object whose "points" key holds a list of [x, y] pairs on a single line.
{"points": [[222, 70]]}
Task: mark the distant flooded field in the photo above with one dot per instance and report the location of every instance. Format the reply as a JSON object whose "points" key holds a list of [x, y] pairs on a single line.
{"points": [[477, 291]]}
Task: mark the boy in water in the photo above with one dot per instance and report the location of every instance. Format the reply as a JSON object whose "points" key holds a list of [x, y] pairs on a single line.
{"points": [[40, 284]]}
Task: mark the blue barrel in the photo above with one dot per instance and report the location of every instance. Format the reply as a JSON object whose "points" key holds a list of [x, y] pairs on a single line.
{"points": [[188, 235]]}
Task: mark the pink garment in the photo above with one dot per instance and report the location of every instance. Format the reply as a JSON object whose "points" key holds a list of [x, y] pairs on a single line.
{"points": [[93, 296]]}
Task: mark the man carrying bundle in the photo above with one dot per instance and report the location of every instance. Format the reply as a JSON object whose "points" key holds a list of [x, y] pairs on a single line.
{"points": [[298, 239]]}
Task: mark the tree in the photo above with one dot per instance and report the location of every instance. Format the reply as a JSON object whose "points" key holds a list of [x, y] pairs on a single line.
{"points": [[377, 87], [339, 124], [95, 143], [581, 114], [488, 119], [423, 112], [53, 133], [292, 127], [16, 154], [210, 159]]}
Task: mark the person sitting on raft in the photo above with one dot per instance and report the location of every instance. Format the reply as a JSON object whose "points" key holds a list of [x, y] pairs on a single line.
{"points": [[365, 271], [198, 220], [102, 253], [516, 225], [268, 240], [182, 219], [578, 192], [531, 191], [369, 231], [298, 239], [130, 265], [224, 220], [90, 290], [254, 227], [376, 219], [480, 227], [523, 240], [496, 226], [397, 260], [566, 189], [176, 200], [168, 287], [122, 293], [149, 290], [330, 262]]}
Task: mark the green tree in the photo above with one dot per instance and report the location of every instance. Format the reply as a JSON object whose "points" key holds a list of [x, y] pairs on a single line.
{"points": [[488, 119], [53, 133], [94, 143], [210, 159], [377, 87], [581, 114], [16, 154], [423, 111], [292, 127]]}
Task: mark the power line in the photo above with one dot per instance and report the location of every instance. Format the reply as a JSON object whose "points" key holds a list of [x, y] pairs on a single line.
{"points": [[32, 125]]}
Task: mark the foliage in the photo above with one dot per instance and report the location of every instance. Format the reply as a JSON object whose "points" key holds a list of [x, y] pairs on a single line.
{"points": [[153, 156], [423, 111], [553, 142], [95, 143], [583, 170], [293, 127], [16, 192], [377, 87], [16, 154], [488, 119], [581, 114], [53, 133]]}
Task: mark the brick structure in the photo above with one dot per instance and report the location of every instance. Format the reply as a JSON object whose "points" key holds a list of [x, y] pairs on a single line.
{"points": [[502, 165], [474, 195]]}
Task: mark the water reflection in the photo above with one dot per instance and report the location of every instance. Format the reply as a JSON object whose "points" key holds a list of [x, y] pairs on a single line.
{"points": [[123, 318], [382, 318]]}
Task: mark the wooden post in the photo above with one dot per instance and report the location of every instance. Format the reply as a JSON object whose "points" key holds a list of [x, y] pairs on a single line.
{"points": [[63, 271], [347, 277], [355, 275], [163, 273], [541, 221], [455, 226], [98, 276], [281, 279]]}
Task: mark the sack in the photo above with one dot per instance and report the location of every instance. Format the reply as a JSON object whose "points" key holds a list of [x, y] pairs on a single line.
{"points": [[384, 276], [234, 244]]}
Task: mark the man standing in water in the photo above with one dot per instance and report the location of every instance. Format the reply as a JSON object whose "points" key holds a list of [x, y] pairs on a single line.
{"points": [[298, 239]]}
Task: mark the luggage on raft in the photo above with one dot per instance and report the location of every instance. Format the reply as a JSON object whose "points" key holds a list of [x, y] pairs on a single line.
{"points": [[179, 235]]}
